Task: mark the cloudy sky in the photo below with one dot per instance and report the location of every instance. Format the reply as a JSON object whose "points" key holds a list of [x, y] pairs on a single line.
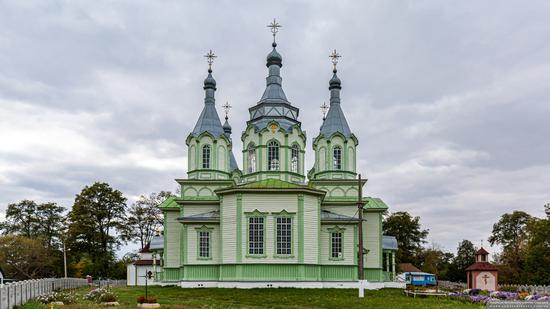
{"points": [[450, 100]]}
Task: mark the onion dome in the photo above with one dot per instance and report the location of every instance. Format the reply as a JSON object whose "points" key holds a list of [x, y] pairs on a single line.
{"points": [[274, 58]]}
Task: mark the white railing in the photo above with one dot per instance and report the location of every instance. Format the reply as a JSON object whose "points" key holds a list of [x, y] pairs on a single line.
{"points": [[18, 293]]}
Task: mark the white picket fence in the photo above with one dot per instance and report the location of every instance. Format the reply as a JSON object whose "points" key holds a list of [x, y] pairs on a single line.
{"points": [[18, 293]]}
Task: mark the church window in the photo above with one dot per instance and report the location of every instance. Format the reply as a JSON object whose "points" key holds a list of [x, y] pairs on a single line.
{"points": [[284, 235], [251, 159], [337, 158], [206, 156], [204, 245], [273, 156], [336, 245], [294, 159], [256, 235]]}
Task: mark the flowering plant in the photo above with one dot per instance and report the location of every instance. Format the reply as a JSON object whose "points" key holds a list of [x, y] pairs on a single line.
{"points": [[101, 295], [58, 296]]}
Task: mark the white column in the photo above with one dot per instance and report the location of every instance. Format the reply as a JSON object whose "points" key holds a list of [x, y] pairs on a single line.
{"points": [[393, 263]]}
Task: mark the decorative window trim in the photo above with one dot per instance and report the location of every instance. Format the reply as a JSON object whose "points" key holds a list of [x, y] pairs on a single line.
{"points": [[337, 161], [255, 214], [283, 214], [336, 229], [273, 164], [295, 159], [251, 149], [206, 163], [208, 230]]}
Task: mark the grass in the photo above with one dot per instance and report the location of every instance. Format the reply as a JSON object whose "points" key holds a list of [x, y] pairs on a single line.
{"points": [[174, 297]]}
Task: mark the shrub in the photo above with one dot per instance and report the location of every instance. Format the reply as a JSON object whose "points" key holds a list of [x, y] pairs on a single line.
{"points": [[148, 300]]}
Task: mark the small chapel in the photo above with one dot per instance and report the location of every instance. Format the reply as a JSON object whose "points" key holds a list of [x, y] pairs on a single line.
{"points": [[482, 274], [265, 222]]}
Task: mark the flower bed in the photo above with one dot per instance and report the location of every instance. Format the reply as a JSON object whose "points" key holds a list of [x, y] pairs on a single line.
{"points": [[101, 295], [482, 297], [58, 297]]}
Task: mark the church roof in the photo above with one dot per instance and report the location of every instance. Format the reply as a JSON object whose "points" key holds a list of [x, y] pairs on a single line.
{"points": [[209, 121], [331, 216], [271, 185], [335, 120], [389, 242], [213, 216]]}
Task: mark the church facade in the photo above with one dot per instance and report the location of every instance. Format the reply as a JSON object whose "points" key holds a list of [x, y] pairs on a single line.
{"points": [[264, 224]]}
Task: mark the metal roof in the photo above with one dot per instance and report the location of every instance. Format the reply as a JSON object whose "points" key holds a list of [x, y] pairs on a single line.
{"points": [[331, 216], [157, 243], [335, 120], [207, 216], [389, 242], [209, 121]]}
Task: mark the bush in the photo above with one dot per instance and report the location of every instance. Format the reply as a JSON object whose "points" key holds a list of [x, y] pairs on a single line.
{"points": [[148, 300]]}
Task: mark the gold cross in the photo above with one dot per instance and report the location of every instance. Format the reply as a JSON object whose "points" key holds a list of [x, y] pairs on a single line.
{"points": [[324, 109], [334, 56], [226, 108], [210, 59], [274, 25]]}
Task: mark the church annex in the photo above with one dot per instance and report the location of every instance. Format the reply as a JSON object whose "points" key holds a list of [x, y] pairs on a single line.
{"points": [[263, 224]]}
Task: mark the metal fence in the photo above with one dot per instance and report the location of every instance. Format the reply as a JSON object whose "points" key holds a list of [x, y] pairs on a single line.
{"points": [[531, 289], [17, 293], [518, 305], [109, 282]]}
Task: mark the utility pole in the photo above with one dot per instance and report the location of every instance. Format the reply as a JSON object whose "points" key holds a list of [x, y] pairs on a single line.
{"points": [[360, 274], [65, 258]]}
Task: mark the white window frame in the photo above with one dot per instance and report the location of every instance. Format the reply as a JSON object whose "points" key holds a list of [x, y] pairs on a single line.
{"points": [[283, 235], [273, 156]]}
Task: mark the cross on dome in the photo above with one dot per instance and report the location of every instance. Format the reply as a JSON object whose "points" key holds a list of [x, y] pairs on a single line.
{"points": [[210, 59], [226, 107], [324, 109], [334, 56], [274, 25]]}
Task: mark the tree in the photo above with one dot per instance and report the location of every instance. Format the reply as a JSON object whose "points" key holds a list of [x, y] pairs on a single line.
{"points": [[511, 233], [25, 258], [547, 210], [145, 217], [465, 256], [537, 255], [97, 221], [22, 219], [434, 260], [29, 219], [52, 222], [408, 232]]}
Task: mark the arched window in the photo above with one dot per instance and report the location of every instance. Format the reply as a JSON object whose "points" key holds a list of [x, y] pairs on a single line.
{"points": [[206, 156], [251, 158], [337, 158], [294, 158], [273, 156]]}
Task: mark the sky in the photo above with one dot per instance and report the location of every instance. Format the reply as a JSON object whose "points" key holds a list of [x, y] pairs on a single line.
{"points": [[450, 100]]}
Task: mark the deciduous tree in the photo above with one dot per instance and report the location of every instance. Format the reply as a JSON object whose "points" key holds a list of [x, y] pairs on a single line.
{"points": [[144, 217], [410, 236]]}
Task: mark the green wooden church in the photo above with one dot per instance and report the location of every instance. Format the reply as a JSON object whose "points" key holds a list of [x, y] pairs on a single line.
{"points": [[265, 225]]}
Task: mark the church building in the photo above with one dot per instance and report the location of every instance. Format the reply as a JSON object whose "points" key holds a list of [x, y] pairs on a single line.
{"points": [[264, 223]]}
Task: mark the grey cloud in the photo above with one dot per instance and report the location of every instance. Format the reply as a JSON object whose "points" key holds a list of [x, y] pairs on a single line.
{"points": [[449, 101]]}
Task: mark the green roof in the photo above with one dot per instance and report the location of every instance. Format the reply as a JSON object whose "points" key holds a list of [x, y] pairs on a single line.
{"points": [[272, 184], [374, 203]]}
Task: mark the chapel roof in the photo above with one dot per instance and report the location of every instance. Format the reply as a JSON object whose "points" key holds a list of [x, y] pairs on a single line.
{"points": [[482, 266], [481, 251]]}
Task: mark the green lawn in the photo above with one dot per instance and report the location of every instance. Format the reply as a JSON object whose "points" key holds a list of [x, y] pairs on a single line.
{"points": [[173, 297]]}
